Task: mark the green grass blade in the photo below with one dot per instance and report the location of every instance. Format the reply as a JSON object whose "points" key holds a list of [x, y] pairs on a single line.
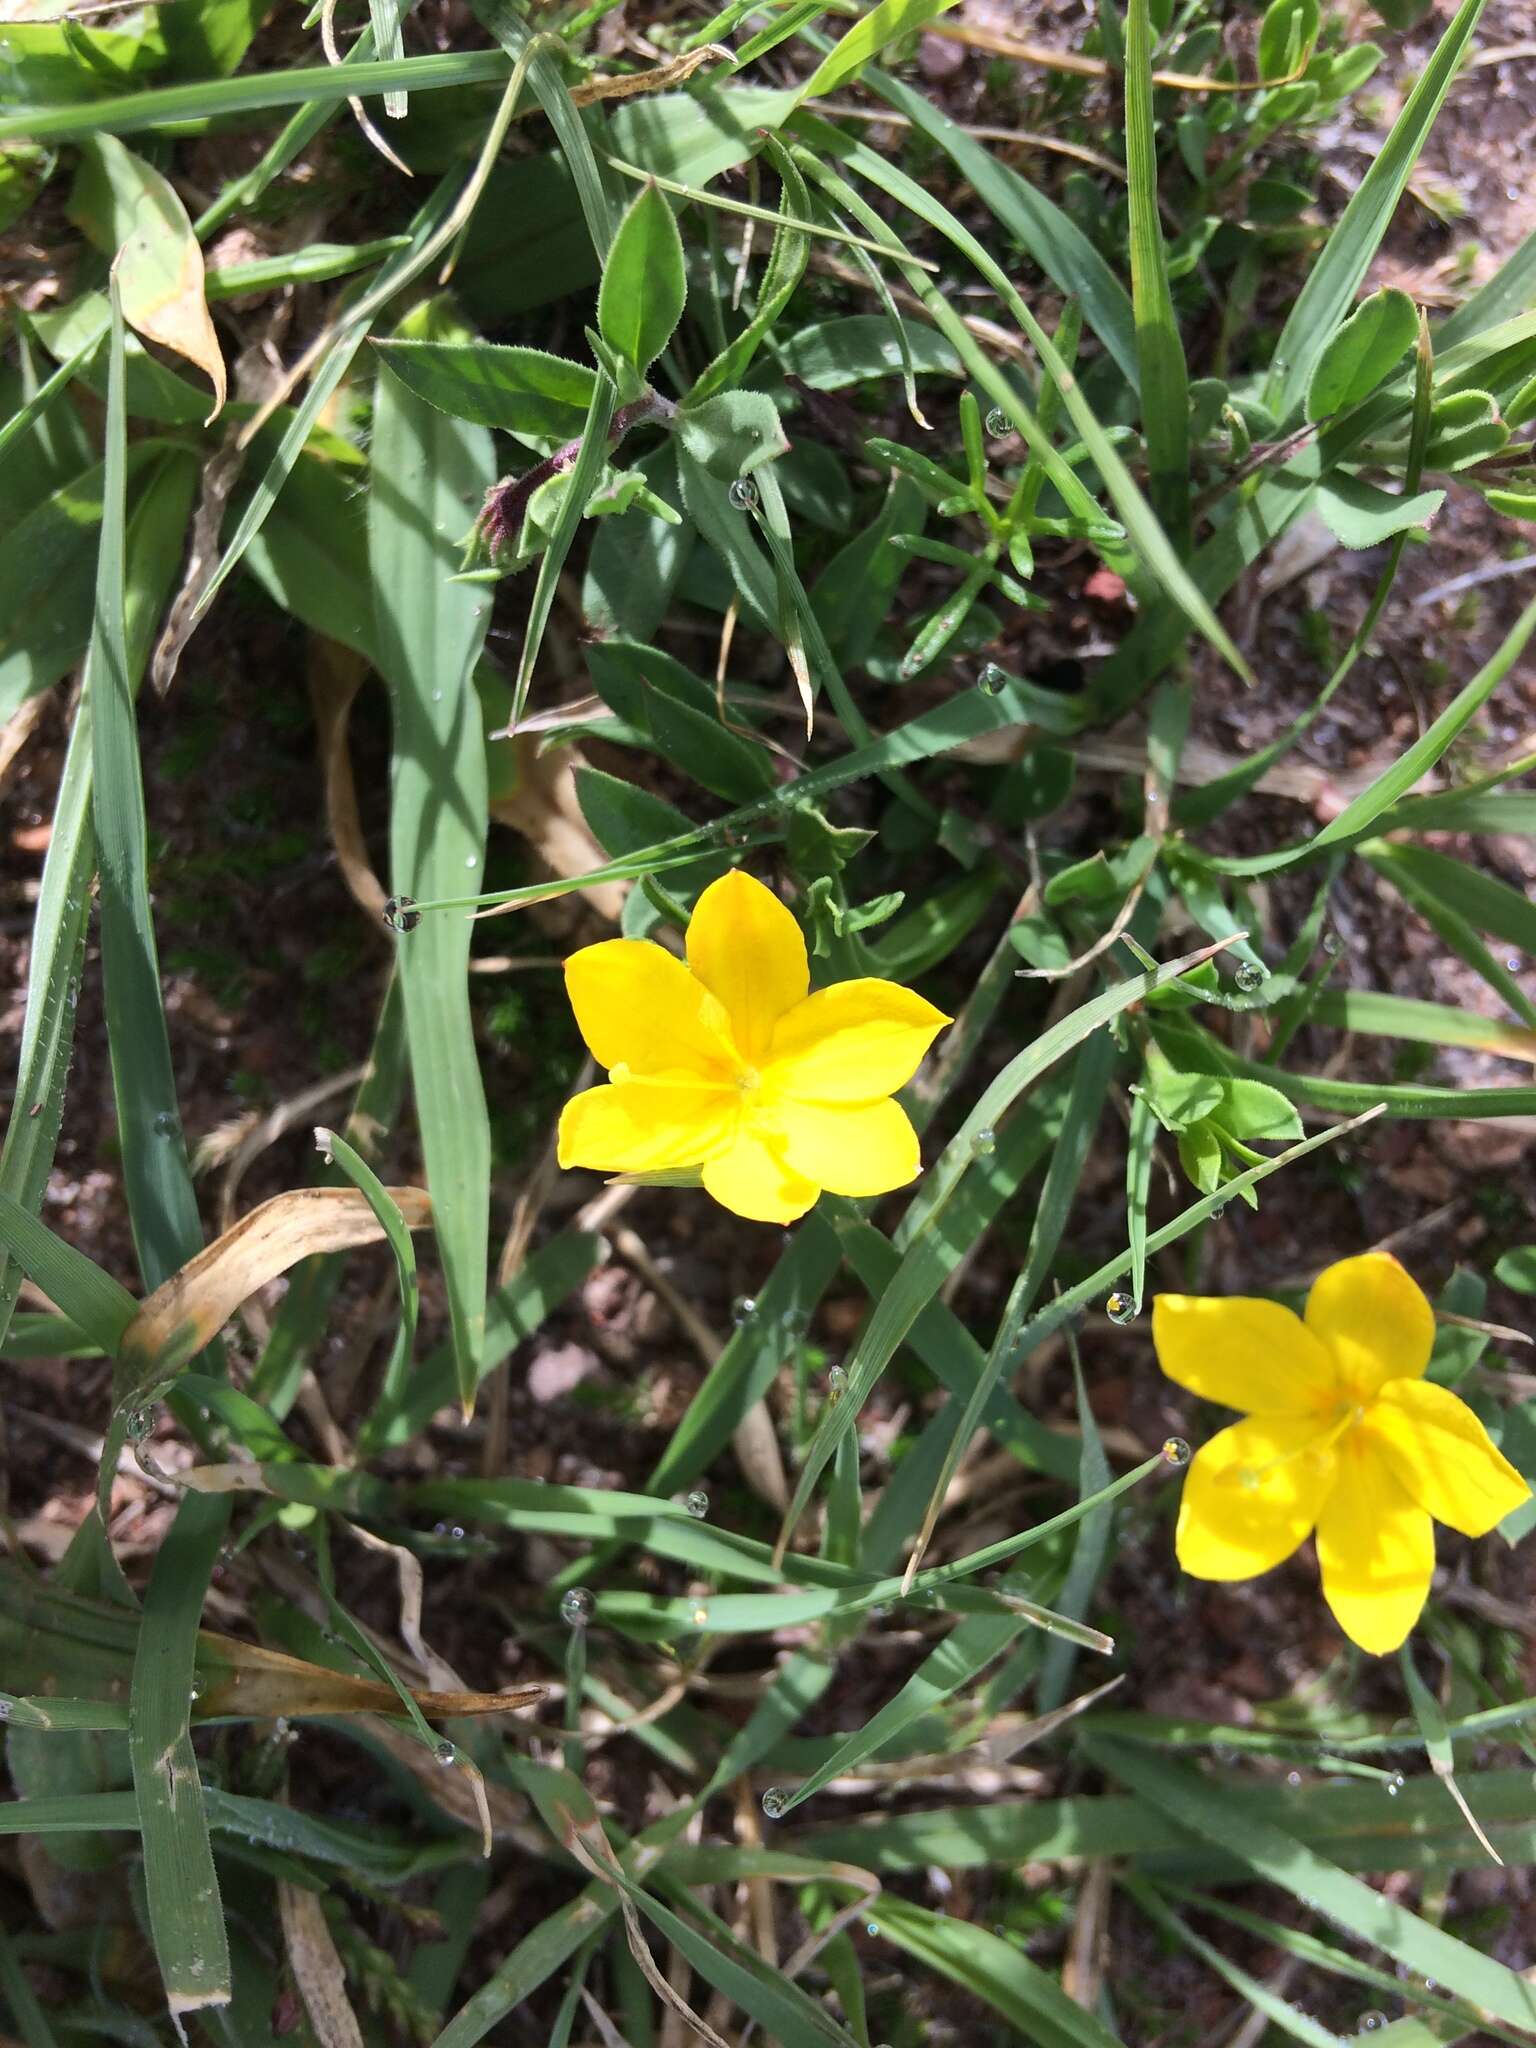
{"points": [[1160, 352], [963, 1653], [253, 92], [506, 24], [427, 471], [92, 1299], [1191, 1803], [994, 1968], [923, 1269], [1324, 301], [1358, 817], [185, 1911]]}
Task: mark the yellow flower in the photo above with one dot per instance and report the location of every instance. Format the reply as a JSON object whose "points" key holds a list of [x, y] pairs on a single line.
{"points": [[1342, 1434], [730, 1065]]}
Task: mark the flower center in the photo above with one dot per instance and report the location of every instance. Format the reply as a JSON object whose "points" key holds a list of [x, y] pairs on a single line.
{"points": [[749, 1084]]}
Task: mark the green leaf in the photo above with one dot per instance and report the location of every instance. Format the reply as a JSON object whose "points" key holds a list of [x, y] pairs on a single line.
{"points": [[1517, 1269], [733, 434], [135, 213], [426, 469], [866, 39], [1363, 515], [644, 286], [1250, 1109], [523, 390], [1365, 351], [1286, 36], [1322, 305], [678, 714]]}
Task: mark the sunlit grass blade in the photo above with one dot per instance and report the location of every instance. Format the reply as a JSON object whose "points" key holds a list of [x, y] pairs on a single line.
{"points": [[426, 470], [994, 1968]]}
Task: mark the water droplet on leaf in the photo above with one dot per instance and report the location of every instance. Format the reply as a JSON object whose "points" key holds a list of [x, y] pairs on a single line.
{"points": [[701, 1617], [165, 1123], [991, 679], [743, 1308], [1333, 943], [1293, 1779], [401, 914], [1175, 1451], [743, 494], [998, 422], [984, 1144], [837, 1383], [697, 1504], [775, 1802], [576, 1607], [1395, 1784], [446, 1754], [1120, 1308], [1372, 2022], [1250, 976]]}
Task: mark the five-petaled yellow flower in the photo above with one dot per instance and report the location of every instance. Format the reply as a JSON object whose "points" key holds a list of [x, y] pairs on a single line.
{"points": [[731, 1065], [1342, 1434]]}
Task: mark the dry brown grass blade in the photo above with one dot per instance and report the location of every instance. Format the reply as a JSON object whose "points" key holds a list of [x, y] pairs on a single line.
{"points": [[335, 676], [997, 45], [236, 1677], [192, 1307], [316, 1967]]}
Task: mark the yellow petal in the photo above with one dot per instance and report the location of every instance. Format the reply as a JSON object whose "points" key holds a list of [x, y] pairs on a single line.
{"points": [[1376, 1547], [639, 1007], [853, 1042], [856, 1148], [1252, 1496], [748, 950], [1374, 1318], [1443, 1456], [753, 1179], [642, 1126], [1243, 1352]]}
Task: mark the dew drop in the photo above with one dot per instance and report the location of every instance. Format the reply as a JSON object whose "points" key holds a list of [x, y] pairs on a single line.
{"points": [[1372, 2022], [1120, 1308], [457, 1532], [743, 494], [700, 1616], [1175, 1451], [164, 1125], [1395, 1784], [984, 1144], [837, 1383], [446, 1754], [998, 422], [1293, 1780], [743, 1309], [471, 860], [1250, 976], [5, 1710], [697, 1504], [140, 1422], [1219, 1211], [1333, 943], [576, 1607], [401, 914], [991, 679], [775, 1802], [871, 1927], [1514, 963], [437, 696]]}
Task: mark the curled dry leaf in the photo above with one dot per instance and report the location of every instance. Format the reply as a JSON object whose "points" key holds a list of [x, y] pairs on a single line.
{"points": [[159, 263], [537, 797], [191, 1308]]}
